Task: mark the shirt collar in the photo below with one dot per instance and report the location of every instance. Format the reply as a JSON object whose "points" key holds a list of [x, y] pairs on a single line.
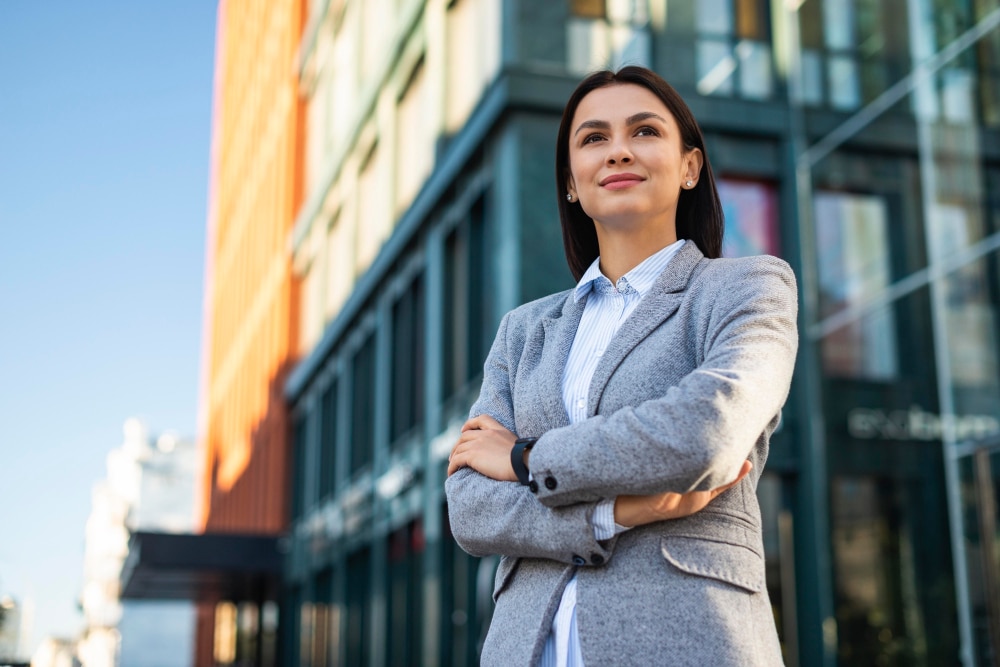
{"points": [[640, 278]]}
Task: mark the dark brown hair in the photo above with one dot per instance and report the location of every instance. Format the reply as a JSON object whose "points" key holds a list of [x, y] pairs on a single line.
{"points": [[699, 211]]}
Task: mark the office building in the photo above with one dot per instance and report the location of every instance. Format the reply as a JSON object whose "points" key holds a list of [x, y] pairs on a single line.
{"points": [[858, 139]]}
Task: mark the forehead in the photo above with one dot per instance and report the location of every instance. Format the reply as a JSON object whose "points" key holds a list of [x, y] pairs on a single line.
{"points": [[619, 101]]}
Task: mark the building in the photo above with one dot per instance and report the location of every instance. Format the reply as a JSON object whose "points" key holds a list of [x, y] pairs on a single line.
{"points": [[53, 652], [149, 487], [10, 629], [382, 193], [856, 139], [229, 566]]}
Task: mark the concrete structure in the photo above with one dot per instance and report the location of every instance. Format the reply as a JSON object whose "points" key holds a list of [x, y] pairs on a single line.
{"points": [[10, 630], [149, 486]]}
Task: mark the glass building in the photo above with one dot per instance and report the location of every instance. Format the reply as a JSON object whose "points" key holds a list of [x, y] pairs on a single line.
{"points": [[857, 139]]}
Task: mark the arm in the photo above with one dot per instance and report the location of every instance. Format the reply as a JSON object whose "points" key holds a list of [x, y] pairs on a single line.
{"points": [[489, 516], [696, 436]]}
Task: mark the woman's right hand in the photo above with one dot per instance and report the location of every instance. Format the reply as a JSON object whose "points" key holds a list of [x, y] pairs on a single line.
{"points": [[631, 511]]}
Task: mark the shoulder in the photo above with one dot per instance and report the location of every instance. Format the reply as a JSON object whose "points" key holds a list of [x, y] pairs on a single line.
{"points": [[533, 311], [743, 275]]}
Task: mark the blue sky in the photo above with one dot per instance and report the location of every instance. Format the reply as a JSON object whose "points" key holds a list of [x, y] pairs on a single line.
{"points": [[105, 115]]}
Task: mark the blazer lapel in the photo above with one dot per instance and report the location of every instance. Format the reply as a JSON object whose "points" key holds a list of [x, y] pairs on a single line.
{"points": [[659, 304], [559, 334]]}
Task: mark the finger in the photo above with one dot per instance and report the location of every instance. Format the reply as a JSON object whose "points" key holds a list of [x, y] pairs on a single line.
{"points": [[744, 470], [455, 463], [483, 421]]}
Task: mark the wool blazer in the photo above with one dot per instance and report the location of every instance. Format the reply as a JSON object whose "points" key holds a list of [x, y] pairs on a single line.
{"points": [[690, 386]]}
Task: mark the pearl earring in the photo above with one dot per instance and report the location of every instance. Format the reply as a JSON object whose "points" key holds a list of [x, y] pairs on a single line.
{"points": [[569, 196], [689, 184]]}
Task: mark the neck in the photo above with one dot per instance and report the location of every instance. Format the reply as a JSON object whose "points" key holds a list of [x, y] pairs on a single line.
{"points": [[623, 250]]}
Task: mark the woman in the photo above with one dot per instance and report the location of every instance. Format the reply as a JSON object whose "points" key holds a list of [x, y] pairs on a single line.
{"points": [[600, 458]]}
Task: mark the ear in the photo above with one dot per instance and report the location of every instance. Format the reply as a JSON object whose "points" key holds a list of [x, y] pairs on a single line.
{"points": [[691, 166], [571, 186]]}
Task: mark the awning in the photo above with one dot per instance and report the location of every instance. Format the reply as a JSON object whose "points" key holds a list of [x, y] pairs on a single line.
{"points": [[209, 566]]}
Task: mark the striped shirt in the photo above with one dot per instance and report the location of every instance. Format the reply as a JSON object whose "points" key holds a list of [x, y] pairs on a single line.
{"points": [[608, 306]]}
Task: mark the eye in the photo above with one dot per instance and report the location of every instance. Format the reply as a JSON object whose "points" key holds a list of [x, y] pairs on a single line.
{"points": [[592, 138], [647, 131]]}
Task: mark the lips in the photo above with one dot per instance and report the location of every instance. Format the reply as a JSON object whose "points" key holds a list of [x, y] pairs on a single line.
{"points": [[619, 181]]}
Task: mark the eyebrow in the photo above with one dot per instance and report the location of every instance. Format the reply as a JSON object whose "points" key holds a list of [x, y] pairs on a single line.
{"points": [[631, 120]]}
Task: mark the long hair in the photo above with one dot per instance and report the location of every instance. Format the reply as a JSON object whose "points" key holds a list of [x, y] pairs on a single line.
{"points": [[699, 211]]}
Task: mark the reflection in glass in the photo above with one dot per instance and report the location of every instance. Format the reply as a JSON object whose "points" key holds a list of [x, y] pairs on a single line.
{"points": [[751, 218], [853, 253], [971, 320], [892, 597]]}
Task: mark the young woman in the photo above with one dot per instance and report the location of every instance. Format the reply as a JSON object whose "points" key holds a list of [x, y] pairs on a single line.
{"points": [[600, 458]]}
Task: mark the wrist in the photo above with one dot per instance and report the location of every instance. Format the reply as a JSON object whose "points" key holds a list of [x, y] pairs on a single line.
{"points": [[519, 458]]}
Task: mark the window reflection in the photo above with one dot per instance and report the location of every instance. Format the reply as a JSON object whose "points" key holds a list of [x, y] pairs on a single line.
{"points": [[853, 253], [733, 51]]}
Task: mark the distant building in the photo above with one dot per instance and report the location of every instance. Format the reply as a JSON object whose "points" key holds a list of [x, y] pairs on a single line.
{"points": [[10, 629], [150, 486], [53, 652]]}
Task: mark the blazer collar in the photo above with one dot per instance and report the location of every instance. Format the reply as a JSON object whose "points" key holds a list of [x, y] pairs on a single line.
{"points": [[654, 309], [560, 330]]}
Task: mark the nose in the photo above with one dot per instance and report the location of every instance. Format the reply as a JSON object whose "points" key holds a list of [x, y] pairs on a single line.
{"points": [[618, 152]]}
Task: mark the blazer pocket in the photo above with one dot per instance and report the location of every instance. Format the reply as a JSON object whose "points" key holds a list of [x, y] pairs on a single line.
{"points": [[505, 570], [731, 563]]}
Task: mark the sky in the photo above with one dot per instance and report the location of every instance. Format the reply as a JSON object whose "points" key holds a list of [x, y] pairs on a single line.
{"points": [[105, 118]]}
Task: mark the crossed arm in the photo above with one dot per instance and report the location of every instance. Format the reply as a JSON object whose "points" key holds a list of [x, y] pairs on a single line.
{"points": [[699, 434], [485, 446]]}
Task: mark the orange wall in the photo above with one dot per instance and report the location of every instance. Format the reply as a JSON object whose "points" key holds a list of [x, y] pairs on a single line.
{"points": [[250, 300], [250, 292]]}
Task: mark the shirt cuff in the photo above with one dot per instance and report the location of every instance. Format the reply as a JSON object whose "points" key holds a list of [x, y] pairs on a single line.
{"points": [[604, 521]]}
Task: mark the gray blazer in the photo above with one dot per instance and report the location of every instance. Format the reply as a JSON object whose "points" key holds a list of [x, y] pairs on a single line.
{"points": [[690, 387]]}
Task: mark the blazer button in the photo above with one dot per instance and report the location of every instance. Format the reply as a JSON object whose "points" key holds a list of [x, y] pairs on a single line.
{"points": [[550, 483], [579, 560], [533, 486], [597, 559]]}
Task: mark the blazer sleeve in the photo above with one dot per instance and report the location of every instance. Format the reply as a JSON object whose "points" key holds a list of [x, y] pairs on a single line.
{"points": [[697, 435], [491, 517]]}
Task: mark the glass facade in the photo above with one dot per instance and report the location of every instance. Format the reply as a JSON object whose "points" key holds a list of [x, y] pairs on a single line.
{"points": [[857, 139]]}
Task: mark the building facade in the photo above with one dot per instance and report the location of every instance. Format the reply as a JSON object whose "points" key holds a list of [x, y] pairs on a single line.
{"points": [[249, 310], [857, 139], [149, 486]]}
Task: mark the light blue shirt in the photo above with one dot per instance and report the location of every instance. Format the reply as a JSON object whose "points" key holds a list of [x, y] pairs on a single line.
{"points": [[608, 306]]}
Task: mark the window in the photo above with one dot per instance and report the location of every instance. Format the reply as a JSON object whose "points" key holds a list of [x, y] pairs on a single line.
{"points": [[607, 34], [415, 135], [363, 406], [473, 56], [750, 209], [733, 49], [405, 582], [408, 360], [299, 467], [358, 607], [466, 306], [853, 252], [328, 441], [374, 202]]}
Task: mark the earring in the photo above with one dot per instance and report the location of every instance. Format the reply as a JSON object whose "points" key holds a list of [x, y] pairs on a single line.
{"points": [[689, 184], [569, 197]]}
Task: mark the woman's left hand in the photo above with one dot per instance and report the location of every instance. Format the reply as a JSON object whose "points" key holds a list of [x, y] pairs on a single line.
{"points": [[485, 447]]}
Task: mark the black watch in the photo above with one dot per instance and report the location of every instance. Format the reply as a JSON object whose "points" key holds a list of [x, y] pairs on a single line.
{"points": [[521, 445]]}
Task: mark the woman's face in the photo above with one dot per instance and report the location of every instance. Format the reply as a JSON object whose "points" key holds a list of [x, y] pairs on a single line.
{"points": [[627, 161]]}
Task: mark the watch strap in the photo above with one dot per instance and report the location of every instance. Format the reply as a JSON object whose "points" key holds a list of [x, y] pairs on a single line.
{"points": [[521, 445]]}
